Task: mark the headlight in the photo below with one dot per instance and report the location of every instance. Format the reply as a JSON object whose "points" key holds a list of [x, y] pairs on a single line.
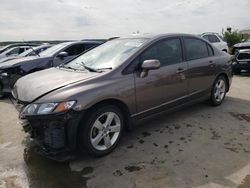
{"points": [[47, 108]]}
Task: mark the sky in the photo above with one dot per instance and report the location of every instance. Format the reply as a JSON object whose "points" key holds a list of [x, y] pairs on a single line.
{"points": [[80, 19]]}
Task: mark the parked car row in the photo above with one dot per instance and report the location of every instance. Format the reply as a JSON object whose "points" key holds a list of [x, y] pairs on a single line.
{"points": [[12, 70], [30, 51], [91, 91], [8, 47]]}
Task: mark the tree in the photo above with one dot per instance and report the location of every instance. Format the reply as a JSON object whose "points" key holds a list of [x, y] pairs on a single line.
{"points": [[232, 37]]}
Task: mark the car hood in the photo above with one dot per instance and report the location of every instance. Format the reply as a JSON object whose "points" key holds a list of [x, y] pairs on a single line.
{"points": [[35, 85], [242, 44], [16, 62]]}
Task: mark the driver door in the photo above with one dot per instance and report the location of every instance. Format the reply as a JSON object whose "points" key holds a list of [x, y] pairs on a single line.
{"points": [[166, 84]]}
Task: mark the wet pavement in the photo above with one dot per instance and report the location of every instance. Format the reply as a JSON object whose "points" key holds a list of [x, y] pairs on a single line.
{"points": [[199, 146]]}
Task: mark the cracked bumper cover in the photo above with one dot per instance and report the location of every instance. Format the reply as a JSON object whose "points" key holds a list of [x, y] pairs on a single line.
{"points": [[55, 135]]}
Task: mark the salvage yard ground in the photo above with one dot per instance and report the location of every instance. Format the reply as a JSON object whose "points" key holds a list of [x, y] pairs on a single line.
{"points": [[197, 147]]}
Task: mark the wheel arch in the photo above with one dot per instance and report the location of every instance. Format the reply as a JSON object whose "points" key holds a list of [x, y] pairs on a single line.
{"points": [[116, 102], [111, 101]]}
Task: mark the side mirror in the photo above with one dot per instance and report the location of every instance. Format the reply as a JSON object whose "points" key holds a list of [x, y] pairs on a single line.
{"points": [[150, 64], [62, 55]]}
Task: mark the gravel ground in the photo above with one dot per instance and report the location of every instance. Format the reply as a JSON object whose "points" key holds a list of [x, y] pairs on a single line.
{"points": [[199, 146]]}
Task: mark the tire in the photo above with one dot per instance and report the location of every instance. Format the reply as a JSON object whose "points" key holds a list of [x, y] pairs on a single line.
{"points": [[237, 71], [99, 135], [218, 91]]}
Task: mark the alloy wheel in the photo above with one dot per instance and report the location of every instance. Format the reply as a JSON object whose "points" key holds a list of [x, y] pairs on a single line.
{"points": [[105, 131], [219, 90]]}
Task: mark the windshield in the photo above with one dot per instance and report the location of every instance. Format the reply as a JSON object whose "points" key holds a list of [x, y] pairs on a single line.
{"points": [[53, 50], [108, 55]]}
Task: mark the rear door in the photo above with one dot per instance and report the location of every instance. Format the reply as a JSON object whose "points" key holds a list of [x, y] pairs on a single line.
{"points": [[72, 51], [165, 84], [201, 65]]}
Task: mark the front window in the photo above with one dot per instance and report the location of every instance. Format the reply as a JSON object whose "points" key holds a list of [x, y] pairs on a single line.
{"points": [[108, 55]]}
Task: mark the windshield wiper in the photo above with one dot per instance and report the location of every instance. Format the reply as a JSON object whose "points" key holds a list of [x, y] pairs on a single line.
{"points": [[90, 68], [67, 67], [110, 68]]}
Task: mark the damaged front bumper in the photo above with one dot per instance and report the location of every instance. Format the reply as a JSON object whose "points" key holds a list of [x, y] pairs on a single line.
{"points": [[55, 135], [242, 60]]}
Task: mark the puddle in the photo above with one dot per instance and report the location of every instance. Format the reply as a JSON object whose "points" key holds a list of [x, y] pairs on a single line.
{"points": [[245, 183], [117, 173], [133, 168], [145, 134], [240, 116], [42, 172]]}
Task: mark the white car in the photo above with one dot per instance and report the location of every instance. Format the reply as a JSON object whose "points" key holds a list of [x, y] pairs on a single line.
{"points": [[14, 51], [216, 40]]}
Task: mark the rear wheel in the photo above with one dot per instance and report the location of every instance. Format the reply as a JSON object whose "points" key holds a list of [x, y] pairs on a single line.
{"points": [[101, 132], [218, 92]]}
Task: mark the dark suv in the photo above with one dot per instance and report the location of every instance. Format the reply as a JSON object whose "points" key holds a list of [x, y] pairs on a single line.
{"points": [[12, 70], [87, 103]]}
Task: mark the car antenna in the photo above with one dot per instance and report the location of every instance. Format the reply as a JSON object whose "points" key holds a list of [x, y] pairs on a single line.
{"points": [[33, 50]]}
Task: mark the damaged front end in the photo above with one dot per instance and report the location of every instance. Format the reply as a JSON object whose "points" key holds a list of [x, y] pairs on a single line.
{"points": [[55, 135], [242, 60]]}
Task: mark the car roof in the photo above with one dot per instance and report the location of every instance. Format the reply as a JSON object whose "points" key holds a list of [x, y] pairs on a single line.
{"points": [[155, 36], [95, 41], [210, 33]]}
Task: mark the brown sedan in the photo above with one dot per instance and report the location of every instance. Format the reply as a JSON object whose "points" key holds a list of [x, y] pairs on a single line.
{"points": [[89, 101]]}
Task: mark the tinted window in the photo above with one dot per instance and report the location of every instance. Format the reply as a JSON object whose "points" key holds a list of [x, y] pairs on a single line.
{"points": [[21, 50], [88, 46], [167, 52], [195, 48], [75, 49]]}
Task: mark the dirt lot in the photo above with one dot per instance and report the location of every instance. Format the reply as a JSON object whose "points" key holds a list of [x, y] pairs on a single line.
{"points": [[199, 146]]}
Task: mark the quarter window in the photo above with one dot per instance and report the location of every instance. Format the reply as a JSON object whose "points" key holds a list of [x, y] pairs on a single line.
{"points": [[195, 48], [167, 52]]}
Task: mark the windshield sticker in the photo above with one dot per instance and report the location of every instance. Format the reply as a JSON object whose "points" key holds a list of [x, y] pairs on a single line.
{"points": [[133, 44]]}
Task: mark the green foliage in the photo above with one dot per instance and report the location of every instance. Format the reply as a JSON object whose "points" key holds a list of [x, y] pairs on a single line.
{"points": [[232, 38]]}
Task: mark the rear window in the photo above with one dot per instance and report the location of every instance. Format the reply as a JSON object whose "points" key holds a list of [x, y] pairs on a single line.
{"points": [[195, 48]]}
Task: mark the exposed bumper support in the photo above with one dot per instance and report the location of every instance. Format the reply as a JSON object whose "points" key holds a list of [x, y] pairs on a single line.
{"points": [[55, 135]]}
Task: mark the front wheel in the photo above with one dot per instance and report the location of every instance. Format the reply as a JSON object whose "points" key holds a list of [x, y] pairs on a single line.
{"points": [[101, 132], [218, 92]]}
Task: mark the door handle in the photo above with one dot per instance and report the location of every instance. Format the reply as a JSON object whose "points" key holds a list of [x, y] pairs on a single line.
{"points": [[180, 70], [211, 63]]}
